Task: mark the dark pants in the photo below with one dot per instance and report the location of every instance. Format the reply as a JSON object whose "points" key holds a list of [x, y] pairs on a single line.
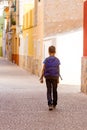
{"points": [[52, 91]]}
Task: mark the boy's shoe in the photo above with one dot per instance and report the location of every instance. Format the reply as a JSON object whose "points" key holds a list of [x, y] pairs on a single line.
{"points": [[50, 108]]}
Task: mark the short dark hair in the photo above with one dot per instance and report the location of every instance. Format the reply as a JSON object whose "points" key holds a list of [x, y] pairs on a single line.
{"points": [[52, 49]]}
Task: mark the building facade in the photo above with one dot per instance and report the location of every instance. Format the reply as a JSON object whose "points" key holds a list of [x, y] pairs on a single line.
{"points": [[38, 25], [47, 20], [31, 38]]}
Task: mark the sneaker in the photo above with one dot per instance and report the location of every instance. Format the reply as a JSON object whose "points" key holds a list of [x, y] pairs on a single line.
{"points": [[50, 108]]}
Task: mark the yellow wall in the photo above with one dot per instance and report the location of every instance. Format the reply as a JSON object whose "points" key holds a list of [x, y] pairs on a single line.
{"points": [[29, 32], [31, 46], [28, 7], [28, 23], [28, 19]]}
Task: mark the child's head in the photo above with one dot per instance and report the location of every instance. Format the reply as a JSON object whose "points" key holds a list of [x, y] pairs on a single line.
{"points": [[52, 50]]}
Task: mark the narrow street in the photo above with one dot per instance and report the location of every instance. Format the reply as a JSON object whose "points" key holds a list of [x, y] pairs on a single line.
{"points": [[23, 103]]}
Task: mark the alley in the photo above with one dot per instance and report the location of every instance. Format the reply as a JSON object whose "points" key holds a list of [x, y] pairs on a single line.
{"points": [[23, 104]]}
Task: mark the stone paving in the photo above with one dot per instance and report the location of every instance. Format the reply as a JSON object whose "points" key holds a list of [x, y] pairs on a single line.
{"points": [[23, 104]]}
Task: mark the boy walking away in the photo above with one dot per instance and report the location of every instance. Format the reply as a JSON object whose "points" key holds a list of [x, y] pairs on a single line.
{"points": [[51, 73]]}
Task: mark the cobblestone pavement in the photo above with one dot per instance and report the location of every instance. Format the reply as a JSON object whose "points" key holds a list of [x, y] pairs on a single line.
{"points": [[23, 104]]}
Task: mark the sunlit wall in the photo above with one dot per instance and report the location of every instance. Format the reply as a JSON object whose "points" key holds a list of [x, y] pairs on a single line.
{"points": [[70, 51]]}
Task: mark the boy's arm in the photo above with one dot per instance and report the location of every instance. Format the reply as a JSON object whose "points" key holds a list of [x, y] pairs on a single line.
{"points": [[60, 74], [42, 74]]}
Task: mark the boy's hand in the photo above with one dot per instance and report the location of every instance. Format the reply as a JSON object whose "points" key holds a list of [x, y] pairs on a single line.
{"points": [[41, 80]]}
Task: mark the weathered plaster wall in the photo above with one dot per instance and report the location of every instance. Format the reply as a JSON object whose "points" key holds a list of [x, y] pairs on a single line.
{"points": [[62, 15]]}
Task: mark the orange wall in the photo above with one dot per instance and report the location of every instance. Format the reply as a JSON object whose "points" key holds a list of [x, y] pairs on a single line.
{"points": [[85, 30]]}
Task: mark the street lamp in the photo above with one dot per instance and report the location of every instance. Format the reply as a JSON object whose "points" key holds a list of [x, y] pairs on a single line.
{"points": [[13, 7]]}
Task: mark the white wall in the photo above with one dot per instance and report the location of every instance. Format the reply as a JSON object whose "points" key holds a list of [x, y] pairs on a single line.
{"points": [[70, 51]]}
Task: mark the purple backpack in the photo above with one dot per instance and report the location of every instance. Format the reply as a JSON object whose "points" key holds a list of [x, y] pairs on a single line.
{"points": [[51, 66]]}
